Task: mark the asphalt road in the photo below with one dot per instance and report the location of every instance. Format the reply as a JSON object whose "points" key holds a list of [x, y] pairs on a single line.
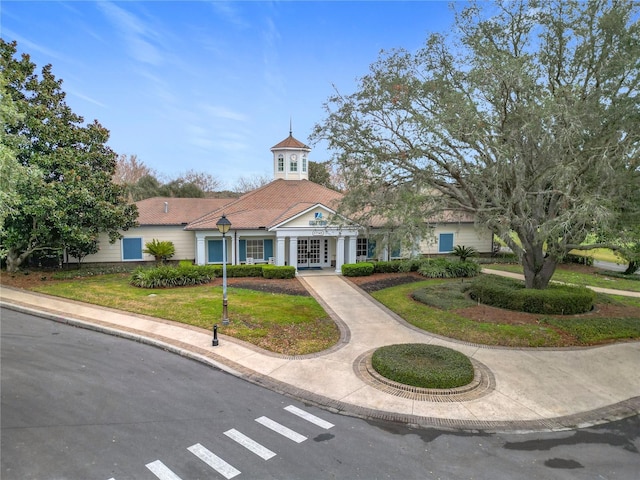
{"points": [[77, 404]]}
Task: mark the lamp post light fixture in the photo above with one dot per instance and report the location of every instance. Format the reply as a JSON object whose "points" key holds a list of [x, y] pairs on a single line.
{"points": [[224, 225]]}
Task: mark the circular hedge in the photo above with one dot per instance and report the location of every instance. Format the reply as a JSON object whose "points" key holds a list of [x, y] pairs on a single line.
{"points": [[508, 293], [422, 365]]}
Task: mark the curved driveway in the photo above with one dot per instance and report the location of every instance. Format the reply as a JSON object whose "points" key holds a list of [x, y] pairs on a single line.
{"points": [[533, 389]]}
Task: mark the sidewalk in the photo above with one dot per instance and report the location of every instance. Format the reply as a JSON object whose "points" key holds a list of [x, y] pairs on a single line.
{"points": [[518, 389]]}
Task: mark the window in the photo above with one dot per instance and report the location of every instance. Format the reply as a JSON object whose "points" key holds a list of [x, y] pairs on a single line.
{"points": [[362, 248], [304, 163], [293, 164], [255, 249], [445, 245], [281, 163], [132, 248]]}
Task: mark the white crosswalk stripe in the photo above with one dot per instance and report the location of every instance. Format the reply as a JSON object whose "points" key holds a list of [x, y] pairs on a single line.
{"points": [[161, 471], [249, 444], [309, 417], [214, 461], [281, 429]]}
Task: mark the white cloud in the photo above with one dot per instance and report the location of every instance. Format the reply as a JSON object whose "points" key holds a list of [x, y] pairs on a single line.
{"points": [[138, 36]]}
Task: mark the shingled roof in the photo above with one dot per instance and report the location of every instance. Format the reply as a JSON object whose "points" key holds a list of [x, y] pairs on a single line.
{"points": [[269, 205], [176, 211], [291, 142]]}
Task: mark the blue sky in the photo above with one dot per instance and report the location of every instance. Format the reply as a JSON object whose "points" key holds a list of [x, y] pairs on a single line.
{"points": [[211, 86]]}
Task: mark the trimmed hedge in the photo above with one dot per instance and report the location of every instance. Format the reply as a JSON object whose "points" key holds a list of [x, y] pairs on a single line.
{"points": [[508, 293], [392, 266], [428, 267], [274, 271], [422, 365], [357, 269]]}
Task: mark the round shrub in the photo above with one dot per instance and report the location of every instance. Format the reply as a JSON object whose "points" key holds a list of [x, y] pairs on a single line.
{"points": [[422, 365], [511, 294]]}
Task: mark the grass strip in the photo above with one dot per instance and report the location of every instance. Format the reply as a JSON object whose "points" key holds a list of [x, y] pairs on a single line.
{"points": [[288, 324]]}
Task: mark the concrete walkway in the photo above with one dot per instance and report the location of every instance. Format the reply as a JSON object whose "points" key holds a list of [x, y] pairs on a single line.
{"points": [[516, 389]]}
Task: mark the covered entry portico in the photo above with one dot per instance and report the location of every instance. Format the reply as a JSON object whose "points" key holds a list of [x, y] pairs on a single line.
{"points": [[316, 248]]}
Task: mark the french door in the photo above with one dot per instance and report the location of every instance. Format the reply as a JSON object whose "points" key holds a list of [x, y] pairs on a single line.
{"points": [[309, 254]]}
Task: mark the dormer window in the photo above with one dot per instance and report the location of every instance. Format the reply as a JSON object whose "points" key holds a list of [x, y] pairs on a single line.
{"points": [[304, 164], [281, 163], [293, 163]]}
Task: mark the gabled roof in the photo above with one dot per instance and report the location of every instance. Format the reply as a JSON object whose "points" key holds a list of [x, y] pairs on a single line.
{"points": [[291, 142], [176, 211], [269, 205]]}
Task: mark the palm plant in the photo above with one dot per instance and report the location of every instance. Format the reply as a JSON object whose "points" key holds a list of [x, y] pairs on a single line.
{"points": [[161, 250], [464, 252]]}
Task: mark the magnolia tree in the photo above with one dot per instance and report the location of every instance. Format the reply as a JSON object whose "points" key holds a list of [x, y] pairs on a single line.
{"points": [[526, 116], [66, 196]]}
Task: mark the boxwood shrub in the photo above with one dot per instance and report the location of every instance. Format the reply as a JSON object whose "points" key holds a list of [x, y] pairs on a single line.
{"points": [[508, 293], [357, 269], [274, 271], [422, 365]]}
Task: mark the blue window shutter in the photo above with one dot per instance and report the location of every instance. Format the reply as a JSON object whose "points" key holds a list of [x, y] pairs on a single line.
{"points": [[215, 251], [243, 250], [371, 248], [445, 245], [132, 248], [268, 248]]}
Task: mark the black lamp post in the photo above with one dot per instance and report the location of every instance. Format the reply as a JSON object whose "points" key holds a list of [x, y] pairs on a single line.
{"points": [[224, 225]]}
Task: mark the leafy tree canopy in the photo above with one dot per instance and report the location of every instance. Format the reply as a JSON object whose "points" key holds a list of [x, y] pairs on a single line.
{"points": [[72, 198], [525, 115]]}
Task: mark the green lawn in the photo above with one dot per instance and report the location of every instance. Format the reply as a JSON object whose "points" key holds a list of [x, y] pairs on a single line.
{"points": [[294, 325], [297, 325], [575, 278], [541, 331]]}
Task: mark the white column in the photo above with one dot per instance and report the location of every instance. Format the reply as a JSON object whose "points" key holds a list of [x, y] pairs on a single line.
{"points": [[200, 250], [351, 257], [280, 260], [385, 251], [293, 252], [339, 254], [234, 245]]}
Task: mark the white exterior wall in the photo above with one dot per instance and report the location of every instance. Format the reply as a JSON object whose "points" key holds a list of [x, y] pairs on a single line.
{"points": [[466, 234], [183, 241]]}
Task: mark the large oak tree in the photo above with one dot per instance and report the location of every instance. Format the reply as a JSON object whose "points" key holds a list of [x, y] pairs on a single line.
{"points": [[72, 198], [524, 115]]}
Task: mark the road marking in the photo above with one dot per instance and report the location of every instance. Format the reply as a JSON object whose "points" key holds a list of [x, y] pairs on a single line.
{"points": [[214, 461], [249, 444], [309, 417], [161, 471], [281, 429]]}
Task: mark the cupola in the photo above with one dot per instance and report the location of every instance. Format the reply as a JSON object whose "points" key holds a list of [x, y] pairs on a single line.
{"points": [[291, 159]]}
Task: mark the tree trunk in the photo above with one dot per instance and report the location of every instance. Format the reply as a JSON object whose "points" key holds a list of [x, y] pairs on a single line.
{"points": [[14, 260], [538, 269], [632, 268]]}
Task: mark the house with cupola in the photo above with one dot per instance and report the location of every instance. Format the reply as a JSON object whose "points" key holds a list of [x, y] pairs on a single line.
{"points": [[289, 221]]}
